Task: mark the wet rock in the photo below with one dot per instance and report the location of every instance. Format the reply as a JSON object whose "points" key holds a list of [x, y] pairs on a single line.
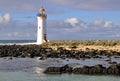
{"points": [[92, 70], [113, 70], [65, 68], [10, 58], [58, 70], [42, 58], [97, 69], [53, 70], [85, 70], [77, 70], [112, 62]]}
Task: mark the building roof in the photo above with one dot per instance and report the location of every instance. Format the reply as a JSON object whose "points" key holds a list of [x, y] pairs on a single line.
{"points": [[42, 9]]}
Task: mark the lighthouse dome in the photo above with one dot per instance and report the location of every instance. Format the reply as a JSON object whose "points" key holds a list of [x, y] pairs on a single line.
{"points": [[42, 9]]}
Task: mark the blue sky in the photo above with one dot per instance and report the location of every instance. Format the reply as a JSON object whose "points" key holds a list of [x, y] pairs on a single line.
{"points": [[67, 19]]}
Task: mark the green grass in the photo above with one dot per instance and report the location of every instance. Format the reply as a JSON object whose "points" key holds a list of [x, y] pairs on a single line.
{"points": [[83, 42]]}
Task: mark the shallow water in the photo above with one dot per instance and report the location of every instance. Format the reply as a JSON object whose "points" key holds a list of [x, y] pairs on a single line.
{"points": [[17, 42], [26, 76], [27, 69]]}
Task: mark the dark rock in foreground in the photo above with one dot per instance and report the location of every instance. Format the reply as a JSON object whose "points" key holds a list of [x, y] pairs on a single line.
{"points": [[58, 70], [97, 69], [48, 52]]}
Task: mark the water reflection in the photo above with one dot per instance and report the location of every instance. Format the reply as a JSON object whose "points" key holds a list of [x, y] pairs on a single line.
{"points": [[38, 70], [29, 63], [27, 69]]}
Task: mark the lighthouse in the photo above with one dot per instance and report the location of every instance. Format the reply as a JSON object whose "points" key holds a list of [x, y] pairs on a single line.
{"points": [[41, 29]]}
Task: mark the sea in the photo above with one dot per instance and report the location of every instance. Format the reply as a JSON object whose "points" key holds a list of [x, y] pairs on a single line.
{"points": [[31, 69], [19, 42]]}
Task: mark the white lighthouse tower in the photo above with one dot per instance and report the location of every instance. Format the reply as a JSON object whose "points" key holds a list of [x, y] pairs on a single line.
{"points": [[41, 31]]}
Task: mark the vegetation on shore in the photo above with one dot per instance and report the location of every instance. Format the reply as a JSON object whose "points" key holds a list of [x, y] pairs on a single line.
{"points": [[60, 48], [83, 42]]}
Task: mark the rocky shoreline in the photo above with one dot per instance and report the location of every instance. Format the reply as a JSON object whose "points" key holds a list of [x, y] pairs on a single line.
{"points": [[44, 52], [49, 52], [92, 70]]}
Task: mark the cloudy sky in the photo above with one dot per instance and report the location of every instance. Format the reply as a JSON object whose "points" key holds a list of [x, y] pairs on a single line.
{"points": [[67, 19]]}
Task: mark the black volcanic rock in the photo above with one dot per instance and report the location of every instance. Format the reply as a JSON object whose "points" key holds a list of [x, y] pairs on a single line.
{"points": [[47, 52], [92, 70]]}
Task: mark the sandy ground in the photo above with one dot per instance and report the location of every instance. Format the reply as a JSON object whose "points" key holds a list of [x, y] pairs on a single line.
{"points": [[82, 47]]}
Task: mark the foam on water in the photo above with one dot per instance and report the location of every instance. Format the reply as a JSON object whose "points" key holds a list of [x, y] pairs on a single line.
{"points": [[17, 42]]}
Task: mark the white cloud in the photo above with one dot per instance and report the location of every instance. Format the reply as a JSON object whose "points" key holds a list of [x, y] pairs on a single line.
{"points": [[108, 24], [68, 25], [76, 25], [99, 22], [72, 21], [5, 18], [17, 30], [71, 28]]}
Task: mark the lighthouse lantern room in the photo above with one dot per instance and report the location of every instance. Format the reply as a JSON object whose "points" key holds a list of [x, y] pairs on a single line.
{"points": [[41, 31]]}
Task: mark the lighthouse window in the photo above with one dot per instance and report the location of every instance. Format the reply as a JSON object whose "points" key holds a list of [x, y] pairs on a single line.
{"points": [[39, 27]]}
